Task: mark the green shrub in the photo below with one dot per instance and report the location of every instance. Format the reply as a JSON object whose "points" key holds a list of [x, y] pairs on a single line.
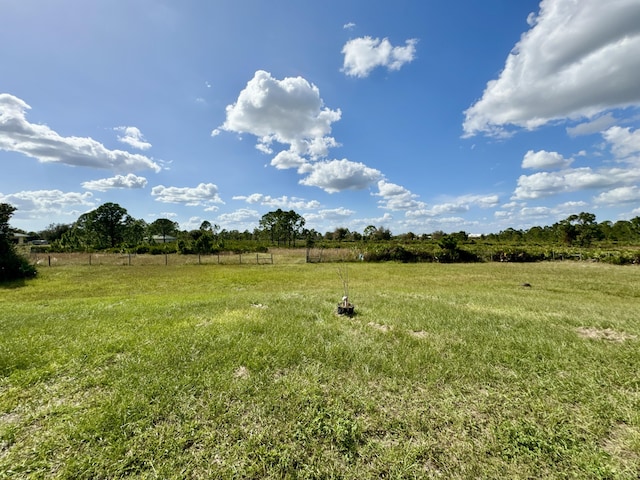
{"points": [[14, 266]]}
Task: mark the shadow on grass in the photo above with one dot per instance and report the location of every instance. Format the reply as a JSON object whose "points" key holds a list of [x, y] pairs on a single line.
{"points": [[11, 284]]}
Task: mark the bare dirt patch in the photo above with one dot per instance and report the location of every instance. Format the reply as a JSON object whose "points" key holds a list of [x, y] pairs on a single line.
{"points": [[604, 334], [619, 445], [418, 333], [241, 372], [379, 327]]}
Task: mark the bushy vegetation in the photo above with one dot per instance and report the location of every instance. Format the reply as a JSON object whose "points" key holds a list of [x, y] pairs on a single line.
{"points": [[109, 228], [13, 266]]}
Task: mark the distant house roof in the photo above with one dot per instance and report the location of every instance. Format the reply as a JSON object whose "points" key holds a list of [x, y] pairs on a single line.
{"points": [[20, 237]]}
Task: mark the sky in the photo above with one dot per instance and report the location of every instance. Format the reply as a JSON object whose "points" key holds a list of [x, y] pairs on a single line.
{"points": [[412, 115]]}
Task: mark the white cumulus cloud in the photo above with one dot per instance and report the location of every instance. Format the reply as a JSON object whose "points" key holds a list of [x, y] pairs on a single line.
{"points": [[205, 194], [47, 146], [545, 184], [397, 197], [620, 195], [46, 202], [460, 204], [624, 142], [288, 111], [579, 59], [284, 202], [133, 137], [596, 125], [242, 216], [362, 55], [287, 159], [338, 175], [542, 159], [119, 181]]}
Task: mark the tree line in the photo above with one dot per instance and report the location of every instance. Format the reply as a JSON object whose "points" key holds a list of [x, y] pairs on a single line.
{"points": [[111, 227]]}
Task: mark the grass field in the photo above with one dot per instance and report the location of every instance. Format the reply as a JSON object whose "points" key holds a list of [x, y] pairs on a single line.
{"points": [[245, 371]]}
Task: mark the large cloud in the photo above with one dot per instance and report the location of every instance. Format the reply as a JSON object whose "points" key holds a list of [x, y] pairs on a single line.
{"points": [[133, 137], [47, 146], [284, 202], [397, 197], [362, 55], [543, 159], [544, 184], [45, 202], [624, 144], [620, 195], [291, 113], [580, 58], [119, 181], [456, 205], [338, 175], [288, 111], [205, 194]]}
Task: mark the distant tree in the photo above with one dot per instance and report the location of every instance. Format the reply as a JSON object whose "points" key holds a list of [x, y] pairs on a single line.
{"points": [[449, 245], [340, 234], [369, 232], [54, 231], [621, 231], [634, 225], [408, 237], [282, 227], [13, 266], [104, 227], [163, 227], [380, 234], [511, 235], [135, 231], [204, 243]]}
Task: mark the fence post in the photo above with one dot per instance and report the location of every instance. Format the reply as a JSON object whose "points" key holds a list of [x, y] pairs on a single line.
{"points": [[89, 259], [166, 259], [49, 260]]}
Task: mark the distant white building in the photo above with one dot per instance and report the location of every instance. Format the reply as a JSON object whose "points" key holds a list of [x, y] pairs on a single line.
{"points": [[19, 238], [163, 239]]}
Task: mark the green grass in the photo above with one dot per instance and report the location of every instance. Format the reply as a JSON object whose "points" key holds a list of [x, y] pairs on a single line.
{"points": [[221, 371]]}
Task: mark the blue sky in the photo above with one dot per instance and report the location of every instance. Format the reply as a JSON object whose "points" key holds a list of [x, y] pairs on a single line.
{"points": [[413, 115]]}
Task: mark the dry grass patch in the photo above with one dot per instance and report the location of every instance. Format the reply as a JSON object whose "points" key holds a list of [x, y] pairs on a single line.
{"points": [[604, 334], [418, 333], [619, 444], [379, 327]]}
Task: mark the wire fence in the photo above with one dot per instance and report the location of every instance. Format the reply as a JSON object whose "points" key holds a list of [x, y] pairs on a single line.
{"points": [[132, 259], [274, 256]]}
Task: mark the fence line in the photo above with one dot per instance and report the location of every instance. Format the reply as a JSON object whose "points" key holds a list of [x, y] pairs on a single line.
{"points": [[133, 259]]}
